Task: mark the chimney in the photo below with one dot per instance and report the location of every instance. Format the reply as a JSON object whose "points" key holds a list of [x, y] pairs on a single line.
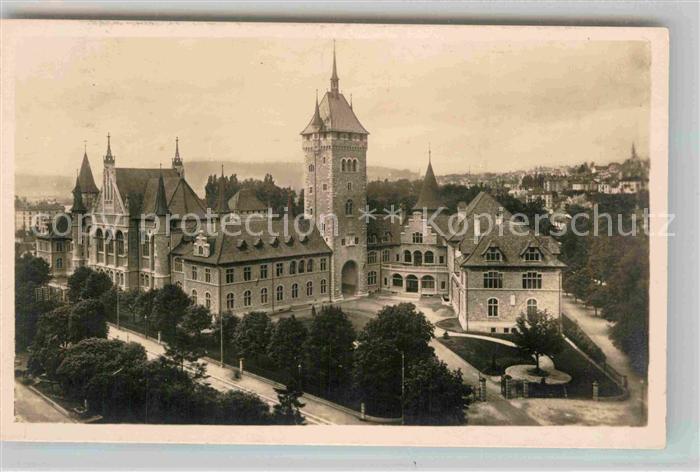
{"points": [[499, 216], [477, 228]]}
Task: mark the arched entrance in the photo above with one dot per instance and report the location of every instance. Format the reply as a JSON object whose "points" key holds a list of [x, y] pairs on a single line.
{"points": [[412, 284], [349, 278]]}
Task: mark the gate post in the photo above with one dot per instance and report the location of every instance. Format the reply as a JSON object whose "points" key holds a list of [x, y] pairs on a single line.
{"points": [[482, 389], [595, 390], [526, 388]]}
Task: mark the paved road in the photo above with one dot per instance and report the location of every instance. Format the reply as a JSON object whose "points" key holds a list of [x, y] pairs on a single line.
{"points": [[222, 379], [30, 407]]}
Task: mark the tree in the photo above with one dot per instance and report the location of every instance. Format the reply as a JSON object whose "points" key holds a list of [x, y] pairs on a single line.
{"points": [[76, 282], [537, 335], [434, 395], [244, 408], [252, 335], [328, 351], [286, 348], [288, 410], [170, 304], [397, 331], [95, 285], [187, 344], [50, 342], [87, 320], [30, 274], [144, 307], [92, 357]]}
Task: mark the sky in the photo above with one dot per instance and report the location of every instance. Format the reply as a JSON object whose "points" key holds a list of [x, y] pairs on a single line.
{"points": [[480, 105]]}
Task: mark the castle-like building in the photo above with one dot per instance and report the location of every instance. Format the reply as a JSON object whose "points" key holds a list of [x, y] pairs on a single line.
{"points": [[487, 267]]}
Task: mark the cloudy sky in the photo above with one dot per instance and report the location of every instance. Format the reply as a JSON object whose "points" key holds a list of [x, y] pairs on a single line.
{"points": [[482, 105]]}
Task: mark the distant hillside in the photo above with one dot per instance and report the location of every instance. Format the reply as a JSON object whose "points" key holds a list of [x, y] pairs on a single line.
{"points": [[286, 174]]}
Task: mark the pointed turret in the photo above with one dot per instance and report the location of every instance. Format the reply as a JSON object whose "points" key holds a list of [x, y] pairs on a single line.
{"points": [[109, 158], [178, 165], [85, 178], [161, 207], [429, 198], [634, 152], [222, 207], [78, 205], [334, 75]]}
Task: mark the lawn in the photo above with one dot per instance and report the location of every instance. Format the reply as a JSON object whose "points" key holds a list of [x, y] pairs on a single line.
{"points": [[492, 358]]}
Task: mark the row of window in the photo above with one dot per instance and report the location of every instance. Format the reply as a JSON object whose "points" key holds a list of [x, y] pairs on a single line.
{"points": [[104, 242], [348, 165], [300, 267], [335, 134], [46, 246], [530, 280], [248, 295], [325, 187], [492, 307]]}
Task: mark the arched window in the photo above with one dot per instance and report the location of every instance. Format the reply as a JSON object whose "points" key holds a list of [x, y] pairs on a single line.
{"points": [[428, 282], [397, 280], [247, 299], [407, 256], [324, 286], [310, 265], [99, 240], [354, 165], [429, 257], [531, 306], [311, 168], [372, 277], [417, 258], [348, 207], [207, 299], [194, 296], [263, 295], [59, 263], [412, 283], [302, 266], [230, 301], [293, 267], [295, 290], [279, 293], [342, 165], [492, 305], [309, 288]]}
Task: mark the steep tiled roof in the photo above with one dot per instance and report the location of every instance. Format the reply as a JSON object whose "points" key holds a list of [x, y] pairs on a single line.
{"points": [[511, 238], [429, 193], [141, 187], [87, 182], [245, 200], [265, 240], [336, 115]]}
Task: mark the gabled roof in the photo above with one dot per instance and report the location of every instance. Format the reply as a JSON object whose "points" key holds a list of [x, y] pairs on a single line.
{"points": [[85, 178], [429, 197], [264, 240], [336, 115], [245, 200], [140, 186]]}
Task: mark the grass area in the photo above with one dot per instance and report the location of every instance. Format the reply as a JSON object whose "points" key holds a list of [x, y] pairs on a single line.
{"points": [[493, 358], [488, 357]]}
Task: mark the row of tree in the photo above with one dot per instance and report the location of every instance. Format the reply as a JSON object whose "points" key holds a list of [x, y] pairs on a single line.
{"points": [[608, 269], [266, 190]]}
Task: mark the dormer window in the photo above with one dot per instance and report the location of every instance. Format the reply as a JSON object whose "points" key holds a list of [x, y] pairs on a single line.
{"points": [[201, 247], [533, 254], [493, 254]]}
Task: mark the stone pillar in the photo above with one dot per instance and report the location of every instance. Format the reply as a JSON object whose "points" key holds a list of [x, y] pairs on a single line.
{"points": [[595, 390], [240, 365], [482, 389], [526, 389], [363, 416]]}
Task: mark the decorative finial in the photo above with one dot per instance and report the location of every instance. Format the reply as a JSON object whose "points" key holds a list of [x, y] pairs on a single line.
{"points": [[430, 154], [334, 75]]}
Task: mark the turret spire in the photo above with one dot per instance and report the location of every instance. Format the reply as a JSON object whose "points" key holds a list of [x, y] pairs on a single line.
{"points": [[334, 75], [221, 203], [161, 208], [109, 158], [78, 205]]}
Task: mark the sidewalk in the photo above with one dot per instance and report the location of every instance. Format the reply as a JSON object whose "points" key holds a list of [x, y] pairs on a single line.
{"points": [[222, 379]]}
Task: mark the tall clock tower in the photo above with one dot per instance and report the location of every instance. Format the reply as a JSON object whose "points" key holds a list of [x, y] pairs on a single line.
{"points": [[335, 187]]}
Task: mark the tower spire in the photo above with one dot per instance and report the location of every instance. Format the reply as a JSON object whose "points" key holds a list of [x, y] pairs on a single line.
{"points": [[177, 160], [161, 206], [109, 158], [334, 75]]}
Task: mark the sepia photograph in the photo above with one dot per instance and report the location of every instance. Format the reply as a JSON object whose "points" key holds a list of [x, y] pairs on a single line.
{"points": [[419, 232]]}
